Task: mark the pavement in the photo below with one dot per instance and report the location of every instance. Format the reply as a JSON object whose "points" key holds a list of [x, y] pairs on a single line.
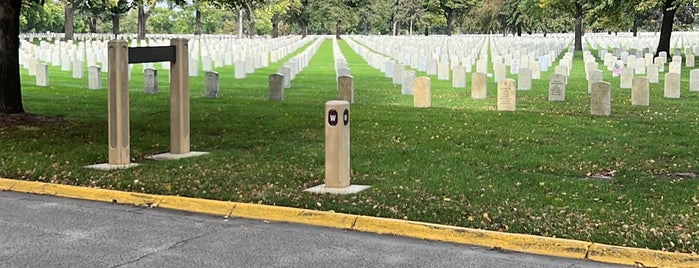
{"points": [[43, 225]]}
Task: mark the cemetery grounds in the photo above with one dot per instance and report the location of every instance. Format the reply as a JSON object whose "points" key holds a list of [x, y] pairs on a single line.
{"points": [[460, 162]]}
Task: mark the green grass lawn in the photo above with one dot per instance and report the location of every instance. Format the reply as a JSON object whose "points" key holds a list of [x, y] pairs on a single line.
{"points": [[460, 162]]}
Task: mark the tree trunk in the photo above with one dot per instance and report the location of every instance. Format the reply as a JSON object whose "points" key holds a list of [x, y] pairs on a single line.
{"points": [[275, 29], [427, 30], [394, 28], [142, 19], [197, 22], [115, 25], [411, 26], [68, 28], [10, 89], [93, 25], [304, 28], [634, 27], [449, 18], [240, 22], [367, 28], [666, 28], [578, 31], [338, 31], [251, 27]]}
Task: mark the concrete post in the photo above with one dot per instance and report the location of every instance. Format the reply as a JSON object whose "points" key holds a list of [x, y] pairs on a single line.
{"points": [[179, 98], [337, 148], [118, 103]]}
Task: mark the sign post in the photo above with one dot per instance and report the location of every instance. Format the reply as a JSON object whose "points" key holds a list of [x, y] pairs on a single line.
{"points": [[337, 151], [120, 56]]}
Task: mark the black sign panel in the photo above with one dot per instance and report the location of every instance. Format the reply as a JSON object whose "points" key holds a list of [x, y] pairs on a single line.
{"points": [[345, 117], [151, 54], [332, 117]]}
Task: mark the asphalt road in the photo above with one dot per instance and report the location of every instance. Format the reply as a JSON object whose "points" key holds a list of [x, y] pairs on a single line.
{"points": [[45, 231]]}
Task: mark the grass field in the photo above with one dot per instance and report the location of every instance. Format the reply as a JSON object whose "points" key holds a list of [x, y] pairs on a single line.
{"points": [[460, 162]]}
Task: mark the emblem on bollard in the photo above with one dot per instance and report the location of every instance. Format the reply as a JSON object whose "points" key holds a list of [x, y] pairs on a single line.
{"points": [[332, 117], [345, 117]]}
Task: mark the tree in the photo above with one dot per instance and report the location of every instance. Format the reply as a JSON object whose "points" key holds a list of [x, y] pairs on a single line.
{"points": [[512, 16], [69, 12], [107, 10], [372, 16], [452, 8], [411, 11], [299, 13], [484, 18], [669, 10], [10, 91], [145, 9], [576, 9], [37, 18], [275, 11]]}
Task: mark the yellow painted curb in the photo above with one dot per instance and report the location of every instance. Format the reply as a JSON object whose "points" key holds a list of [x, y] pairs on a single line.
{"points": [[77, 192], [571, 249], [641, 257], [294, 215], [214, 207], [506, 241]]}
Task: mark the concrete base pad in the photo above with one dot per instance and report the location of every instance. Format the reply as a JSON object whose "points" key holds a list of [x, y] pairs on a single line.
{"points": [[352, 189], [108, 167], [169, 156]]}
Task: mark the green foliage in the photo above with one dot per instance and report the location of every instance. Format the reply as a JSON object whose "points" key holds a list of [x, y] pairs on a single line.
{"points": [[37, 18]]}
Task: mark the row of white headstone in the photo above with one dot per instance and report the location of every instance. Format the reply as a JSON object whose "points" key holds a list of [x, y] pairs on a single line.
{"points": [[35, 58], [343, 74], [281, 80]]}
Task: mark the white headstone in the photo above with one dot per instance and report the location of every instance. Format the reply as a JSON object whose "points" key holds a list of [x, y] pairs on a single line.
{"points": [[640, 66], [507, 95], [557, 87], [640, 93], [422, 97], [285, 71], [397, 73], [479, 86], [150, 80], [42, 75], [600, 99], [524, 79], [211, 85], [675, 67], [672, 86], [536, 71], [690, 60], [694, 80], [193, 67], [276, 87], [499, 72], [206, 64], [459, 77], [408, 85], [482, 66], [239, 68], [595, 76], [443, 70], [78, 69], [94, 79], [653, 74]]}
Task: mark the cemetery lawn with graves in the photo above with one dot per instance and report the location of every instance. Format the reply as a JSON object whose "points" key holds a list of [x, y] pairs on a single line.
{"points": [[537, 170]]}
